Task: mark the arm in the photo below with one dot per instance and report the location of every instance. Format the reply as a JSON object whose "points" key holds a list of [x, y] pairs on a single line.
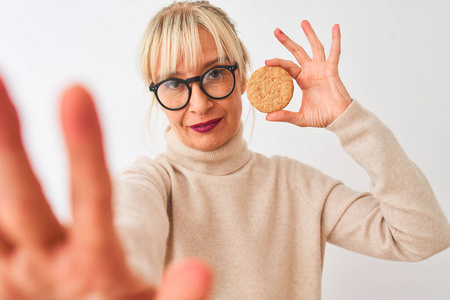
{"points": [[141, 220], [401, 219]]}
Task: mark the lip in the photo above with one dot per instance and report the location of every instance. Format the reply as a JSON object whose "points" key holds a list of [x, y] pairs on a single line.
{"points": [[206, 126]]}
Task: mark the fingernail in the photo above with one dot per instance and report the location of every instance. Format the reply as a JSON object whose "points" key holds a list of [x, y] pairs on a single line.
{"points": [[279, 31]]}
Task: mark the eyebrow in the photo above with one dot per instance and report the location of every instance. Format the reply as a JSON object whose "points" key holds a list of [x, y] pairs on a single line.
{"points": [[205, 66]]}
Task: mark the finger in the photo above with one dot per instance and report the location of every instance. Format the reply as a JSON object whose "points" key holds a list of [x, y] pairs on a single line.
{"points": [[25, 215], [5, 247], [286, 116], [189, 279], [293, 70], [299, 53], [316, 45], [90, 181], [335, 50]]}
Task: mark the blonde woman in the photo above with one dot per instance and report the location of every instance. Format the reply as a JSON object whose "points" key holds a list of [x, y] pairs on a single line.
{"points": [[258, 225]]}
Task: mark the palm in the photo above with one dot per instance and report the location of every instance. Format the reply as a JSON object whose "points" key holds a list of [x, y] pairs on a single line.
{"points": [[324, 96], [40, 258], [71, 271]]}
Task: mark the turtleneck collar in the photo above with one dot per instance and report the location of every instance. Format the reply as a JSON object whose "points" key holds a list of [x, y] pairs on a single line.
{"points": [[224, 160]]}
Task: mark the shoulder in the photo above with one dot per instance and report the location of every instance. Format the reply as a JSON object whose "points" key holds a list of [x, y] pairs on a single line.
{"points": [[145, 174], [145, 166], [311, 182], [280, 163], [282, 167], [275, 160]]}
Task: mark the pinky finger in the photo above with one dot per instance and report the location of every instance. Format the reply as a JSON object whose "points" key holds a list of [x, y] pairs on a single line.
{"points": [[335, 50]]}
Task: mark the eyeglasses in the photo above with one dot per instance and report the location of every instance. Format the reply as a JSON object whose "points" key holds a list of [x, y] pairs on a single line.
{"points": [[217, 82]]}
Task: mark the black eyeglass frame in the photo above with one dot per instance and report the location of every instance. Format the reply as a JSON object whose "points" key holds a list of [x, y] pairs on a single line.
{"points": [[188, 81]]}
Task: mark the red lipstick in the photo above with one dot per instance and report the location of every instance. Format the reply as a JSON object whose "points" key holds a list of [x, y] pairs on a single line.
{"points": [[206, 126]]}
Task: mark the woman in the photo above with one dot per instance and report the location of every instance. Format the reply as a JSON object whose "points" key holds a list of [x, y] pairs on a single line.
{"points": [[260, 224]]}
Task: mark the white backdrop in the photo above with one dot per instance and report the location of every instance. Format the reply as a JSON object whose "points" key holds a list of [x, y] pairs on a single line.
{"points": [[395, 61]]}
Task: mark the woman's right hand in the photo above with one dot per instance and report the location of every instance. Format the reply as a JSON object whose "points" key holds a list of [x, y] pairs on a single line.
{"points": [[42, 259]]}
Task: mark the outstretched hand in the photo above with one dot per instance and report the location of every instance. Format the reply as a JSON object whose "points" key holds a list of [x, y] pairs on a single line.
{"points": [[40, 258], [324, 95]]}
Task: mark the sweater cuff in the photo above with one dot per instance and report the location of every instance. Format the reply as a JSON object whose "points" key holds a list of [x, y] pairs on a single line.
{"points": [[350, 120]]}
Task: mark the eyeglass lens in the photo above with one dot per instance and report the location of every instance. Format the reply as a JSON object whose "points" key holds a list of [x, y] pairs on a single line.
{"points": [[216, 83]]}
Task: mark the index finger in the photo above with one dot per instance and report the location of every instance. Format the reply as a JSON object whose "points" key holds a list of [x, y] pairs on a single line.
{"points": [[299, 53]]}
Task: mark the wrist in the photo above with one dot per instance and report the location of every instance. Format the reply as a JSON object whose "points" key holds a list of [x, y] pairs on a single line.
{"points": [[342, 107]]}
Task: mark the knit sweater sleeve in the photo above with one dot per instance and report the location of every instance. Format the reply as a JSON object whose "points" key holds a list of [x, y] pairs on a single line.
{"points": [[400, 219], [140, 201]]}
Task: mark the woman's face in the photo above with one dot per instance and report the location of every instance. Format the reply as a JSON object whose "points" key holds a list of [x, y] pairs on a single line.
{"points": [[205, 123]]}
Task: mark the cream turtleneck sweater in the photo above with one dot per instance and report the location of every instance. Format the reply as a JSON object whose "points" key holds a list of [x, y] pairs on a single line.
{"points": [[262, 223]]}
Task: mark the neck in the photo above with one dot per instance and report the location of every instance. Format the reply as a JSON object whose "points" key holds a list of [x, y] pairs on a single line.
{"points": [[229, 157]]}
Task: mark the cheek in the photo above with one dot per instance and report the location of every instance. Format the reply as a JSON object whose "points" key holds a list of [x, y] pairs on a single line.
{"points": [[238, 104], [239, 110], [175, 117], [236, 109]]}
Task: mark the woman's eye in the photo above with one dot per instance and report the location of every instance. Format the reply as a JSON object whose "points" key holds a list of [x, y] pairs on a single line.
{"points": [[172, 84], [216, 73]]}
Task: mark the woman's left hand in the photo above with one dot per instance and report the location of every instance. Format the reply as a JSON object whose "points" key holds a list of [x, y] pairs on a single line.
{"points": [[324, 95]]}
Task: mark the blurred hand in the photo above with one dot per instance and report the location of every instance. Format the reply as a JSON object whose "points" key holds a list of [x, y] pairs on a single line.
{"points": [[324, 95], [40, 258]]}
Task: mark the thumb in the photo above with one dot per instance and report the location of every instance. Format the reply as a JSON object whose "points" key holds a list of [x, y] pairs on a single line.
{"points": [[189, 279], [285, 116]]}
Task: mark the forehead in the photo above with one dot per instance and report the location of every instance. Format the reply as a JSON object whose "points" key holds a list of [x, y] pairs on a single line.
{"points": [[192, 56]]}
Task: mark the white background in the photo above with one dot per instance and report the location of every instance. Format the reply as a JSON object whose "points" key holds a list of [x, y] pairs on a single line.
{"points": [[395, 61]]}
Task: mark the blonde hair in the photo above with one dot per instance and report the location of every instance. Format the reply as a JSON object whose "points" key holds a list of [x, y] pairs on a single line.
{"points": [[172, 35]]}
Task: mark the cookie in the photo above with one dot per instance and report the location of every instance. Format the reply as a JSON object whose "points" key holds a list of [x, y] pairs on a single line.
{"points": [[270, 89]]}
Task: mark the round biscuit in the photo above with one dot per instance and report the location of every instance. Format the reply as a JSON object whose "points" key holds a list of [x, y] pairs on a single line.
{"points": [[270, 89]]}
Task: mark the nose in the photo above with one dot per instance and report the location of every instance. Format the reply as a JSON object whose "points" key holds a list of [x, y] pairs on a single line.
{"points": [[199, 103]]}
